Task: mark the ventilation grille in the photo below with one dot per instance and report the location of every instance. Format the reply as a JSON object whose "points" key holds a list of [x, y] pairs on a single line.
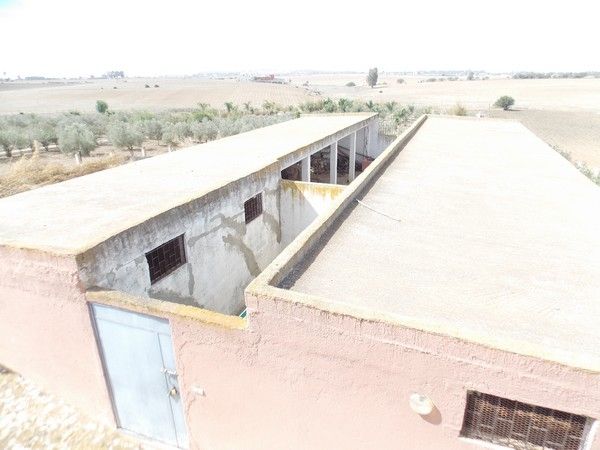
{"points": [[165, 259], [521, 426], [253, 208]]}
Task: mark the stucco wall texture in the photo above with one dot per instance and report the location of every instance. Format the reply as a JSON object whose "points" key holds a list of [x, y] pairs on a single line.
{"points": [[46, 333], [301, 203], [289, 376], [223, 252]]}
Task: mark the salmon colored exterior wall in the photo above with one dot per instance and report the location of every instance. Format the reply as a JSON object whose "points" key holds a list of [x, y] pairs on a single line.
{"points": [[46, 333], [303, 378], [295, 377]]}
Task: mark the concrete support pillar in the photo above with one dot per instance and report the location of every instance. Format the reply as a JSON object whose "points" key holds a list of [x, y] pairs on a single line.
{"points": [[333, 163], [306, 169], [352, 163], [373, 137]]}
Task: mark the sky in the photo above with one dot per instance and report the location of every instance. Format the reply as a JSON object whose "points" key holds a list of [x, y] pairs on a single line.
{"points": [[65, 38]]}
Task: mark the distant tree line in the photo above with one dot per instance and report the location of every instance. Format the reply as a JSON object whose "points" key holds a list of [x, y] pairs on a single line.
{"points": [[80, 133], [544, 75]]}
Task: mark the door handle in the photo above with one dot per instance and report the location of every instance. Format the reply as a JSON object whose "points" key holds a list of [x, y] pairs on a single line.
{"points": [[173, 392]]}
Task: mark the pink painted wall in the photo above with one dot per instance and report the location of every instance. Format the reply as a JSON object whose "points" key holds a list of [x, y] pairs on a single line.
{"points": [[302, 378], [295, 378], [45, 329]]}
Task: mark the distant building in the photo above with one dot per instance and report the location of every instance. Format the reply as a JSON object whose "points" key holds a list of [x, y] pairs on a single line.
{"points": [[445, 299], [269, 79]]}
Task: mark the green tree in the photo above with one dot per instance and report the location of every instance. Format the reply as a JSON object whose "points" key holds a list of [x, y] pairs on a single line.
{"points": [[344, 104], [101, 106], [5, 142], [504, 102], [269, 107], [13, 138], [124, 135], [391, 106], [45, 134], [169, 136], [204, 111], [372, 77], [329, 105], [153, 129], [230, 107], [77, 138], [371, 106]]}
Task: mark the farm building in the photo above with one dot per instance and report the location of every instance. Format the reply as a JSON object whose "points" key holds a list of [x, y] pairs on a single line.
{"points": [[238, 294]]}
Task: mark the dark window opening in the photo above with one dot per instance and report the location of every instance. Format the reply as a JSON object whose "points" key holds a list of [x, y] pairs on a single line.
{"points": [[166, 258], [253, 208], [521, 426], [293, 172]]}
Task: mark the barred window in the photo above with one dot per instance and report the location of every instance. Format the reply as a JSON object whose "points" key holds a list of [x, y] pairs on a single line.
{"points": [[253, 207], [166, 258], [522, 426]]}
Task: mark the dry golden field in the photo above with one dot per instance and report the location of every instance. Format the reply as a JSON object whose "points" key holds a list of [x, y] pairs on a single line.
{"points": [[563, 112], [550, 94], [132, 94]]}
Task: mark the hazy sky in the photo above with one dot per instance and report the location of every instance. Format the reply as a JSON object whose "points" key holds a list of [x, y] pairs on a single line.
{"points": [[176, 37]]}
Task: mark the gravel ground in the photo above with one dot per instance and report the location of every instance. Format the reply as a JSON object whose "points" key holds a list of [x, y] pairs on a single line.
{"points": [[31, 419]]}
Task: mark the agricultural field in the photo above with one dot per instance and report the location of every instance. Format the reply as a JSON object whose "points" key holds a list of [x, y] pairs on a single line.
{"points": [[542, 94], [132, 93], [563, 112]]}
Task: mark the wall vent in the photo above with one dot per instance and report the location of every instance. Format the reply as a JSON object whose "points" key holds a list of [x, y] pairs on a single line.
{"points": [[253, 208], [521, 426], [166, 258]]}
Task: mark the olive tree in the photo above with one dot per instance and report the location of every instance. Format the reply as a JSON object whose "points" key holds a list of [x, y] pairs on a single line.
{"points": [[153, 129], [76, 138], [124, 135], [13, 138], [504, 102], [45, 134], [101, 106]]}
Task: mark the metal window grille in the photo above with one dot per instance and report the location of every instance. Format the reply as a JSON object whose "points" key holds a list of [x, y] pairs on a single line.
{"points": [[521, 426], [166, 258], [253, 208]]}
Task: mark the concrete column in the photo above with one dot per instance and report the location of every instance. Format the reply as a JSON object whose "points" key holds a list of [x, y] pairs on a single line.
{"points": [[333, 163], [306, 169], [373, 133], [352, 163]]}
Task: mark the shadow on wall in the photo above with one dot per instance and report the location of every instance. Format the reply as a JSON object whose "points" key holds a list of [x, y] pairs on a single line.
{"points": [[301, 203]]}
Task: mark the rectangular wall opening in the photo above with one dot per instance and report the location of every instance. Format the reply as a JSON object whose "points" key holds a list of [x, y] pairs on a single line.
{"points": [[165, 258], [522, 426]]}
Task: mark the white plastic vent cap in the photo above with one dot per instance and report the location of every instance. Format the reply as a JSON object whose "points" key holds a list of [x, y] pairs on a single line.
{"points": [[421, 404]]}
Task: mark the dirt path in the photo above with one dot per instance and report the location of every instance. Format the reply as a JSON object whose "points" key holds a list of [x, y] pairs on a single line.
{"points": [[31, 419]]}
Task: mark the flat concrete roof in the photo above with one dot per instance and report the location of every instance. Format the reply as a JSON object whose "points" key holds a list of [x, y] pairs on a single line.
{"points": [[478, 230], [75, 215]]}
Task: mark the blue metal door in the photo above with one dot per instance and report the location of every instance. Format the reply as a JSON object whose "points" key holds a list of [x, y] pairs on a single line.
{"points": [[137, 352]]}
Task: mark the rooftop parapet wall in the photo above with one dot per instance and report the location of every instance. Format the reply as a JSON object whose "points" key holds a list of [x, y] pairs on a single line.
{"points": [[127, 196], [447, 152], [269, 279]]}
